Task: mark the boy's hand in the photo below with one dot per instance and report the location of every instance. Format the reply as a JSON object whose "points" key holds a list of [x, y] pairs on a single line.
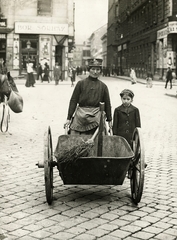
{"points": [[110, 124]]}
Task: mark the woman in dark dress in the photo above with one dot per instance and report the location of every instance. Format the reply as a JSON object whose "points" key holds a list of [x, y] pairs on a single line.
{"points": [[85, 100], [46, 73]]}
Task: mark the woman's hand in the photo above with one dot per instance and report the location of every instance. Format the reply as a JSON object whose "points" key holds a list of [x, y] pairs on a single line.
{"points": [[67, 123]]}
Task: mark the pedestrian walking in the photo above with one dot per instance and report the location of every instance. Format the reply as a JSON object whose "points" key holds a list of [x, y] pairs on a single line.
{"points": [[30, 81], [56, 73], [149, 79], [85, 101], [72, 75], [39, 72], [126, 117], [77, 70], [133, 76], [169, 77], [3, 68], [46, 73]]}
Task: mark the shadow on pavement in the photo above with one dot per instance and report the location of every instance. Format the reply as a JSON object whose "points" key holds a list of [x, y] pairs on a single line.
{"points": [[171, 95]]}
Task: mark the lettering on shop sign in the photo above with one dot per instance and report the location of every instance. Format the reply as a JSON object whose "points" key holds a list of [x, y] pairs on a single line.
{"points": [[41, 28], [162, 33], [172, 28]]}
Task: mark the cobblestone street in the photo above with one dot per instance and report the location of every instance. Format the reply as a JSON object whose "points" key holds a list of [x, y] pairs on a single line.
{"points": [[87, 212]]}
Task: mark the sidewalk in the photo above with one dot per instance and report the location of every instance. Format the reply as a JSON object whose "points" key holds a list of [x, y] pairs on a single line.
{"points": [[143, 81], [67, 81]]}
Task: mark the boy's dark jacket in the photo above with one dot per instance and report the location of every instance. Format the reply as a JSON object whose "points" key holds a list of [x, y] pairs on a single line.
{"points": [[125, 120]]}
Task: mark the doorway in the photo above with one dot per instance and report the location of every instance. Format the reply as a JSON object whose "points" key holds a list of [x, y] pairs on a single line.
{"points": [[29, 48], [58, 55], [3, 49]]}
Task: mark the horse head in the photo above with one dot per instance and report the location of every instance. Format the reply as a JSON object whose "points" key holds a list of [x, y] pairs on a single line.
{"points": [[4, 85]]}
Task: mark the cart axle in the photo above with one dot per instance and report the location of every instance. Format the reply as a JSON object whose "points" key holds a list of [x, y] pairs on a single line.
{"points": [[41, 164]]}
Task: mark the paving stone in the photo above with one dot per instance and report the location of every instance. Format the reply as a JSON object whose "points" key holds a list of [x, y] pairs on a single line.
{"points": [[150, 219], [120, 234], [64, 235], [108, 227], [165, 236], [171, 231], [109, 216], [131, 228], [143, 235], [20, 232], [152, 229], [109, 237], [11, 227], [41, 234]]}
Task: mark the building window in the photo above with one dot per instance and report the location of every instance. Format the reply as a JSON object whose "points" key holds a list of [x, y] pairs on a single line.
{"points": [[162, 10], [174, 8], [117, 11], [44, 7]]}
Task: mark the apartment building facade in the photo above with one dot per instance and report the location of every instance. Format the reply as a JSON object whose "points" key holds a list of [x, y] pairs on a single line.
{"points": [[77, 55], [96, 42], [142, 34], [86, 53], [41, 30]]}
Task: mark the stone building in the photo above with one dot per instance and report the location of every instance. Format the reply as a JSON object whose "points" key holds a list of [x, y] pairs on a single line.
{"points": [[86, 53], [142, 34], [96, 42], [104, 49], [41, 30], [77, 55]]}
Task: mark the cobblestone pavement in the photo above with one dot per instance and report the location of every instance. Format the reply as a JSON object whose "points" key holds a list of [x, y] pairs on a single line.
{"points": [[87, 212]]}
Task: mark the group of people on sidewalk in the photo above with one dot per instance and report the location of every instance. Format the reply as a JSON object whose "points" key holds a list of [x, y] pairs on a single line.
{"points": [[42, 73], [170, 75]]}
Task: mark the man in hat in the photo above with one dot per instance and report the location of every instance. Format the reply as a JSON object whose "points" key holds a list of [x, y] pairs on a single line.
{"points": [[84, 102]]}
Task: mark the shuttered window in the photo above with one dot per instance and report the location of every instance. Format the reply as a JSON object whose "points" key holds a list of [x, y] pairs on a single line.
{"points": [[174, 8], [44, 7]]}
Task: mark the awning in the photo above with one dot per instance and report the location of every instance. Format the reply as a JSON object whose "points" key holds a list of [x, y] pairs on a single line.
{"points": [[6, 30], [60, 39]]}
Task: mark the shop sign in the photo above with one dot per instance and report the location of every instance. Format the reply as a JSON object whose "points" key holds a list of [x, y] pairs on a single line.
{"points": [[16, 52], [45, 50], [3, 22], [41, 28], [162, 33], [172, 27], [70, 55]]}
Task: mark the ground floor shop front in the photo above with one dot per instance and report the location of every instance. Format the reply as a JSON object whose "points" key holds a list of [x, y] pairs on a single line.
{"points": [[153, 52], [37, 43]]}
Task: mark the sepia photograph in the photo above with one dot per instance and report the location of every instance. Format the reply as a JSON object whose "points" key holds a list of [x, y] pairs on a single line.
{"points": [[88, 126]]}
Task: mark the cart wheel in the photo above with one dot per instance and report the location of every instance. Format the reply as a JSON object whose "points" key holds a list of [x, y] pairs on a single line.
{"points": [[138, 165], [48, 168]]}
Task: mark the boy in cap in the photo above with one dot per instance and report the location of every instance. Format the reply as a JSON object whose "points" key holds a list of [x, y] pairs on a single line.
{"points": [[126, 117], [84, 103]]}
